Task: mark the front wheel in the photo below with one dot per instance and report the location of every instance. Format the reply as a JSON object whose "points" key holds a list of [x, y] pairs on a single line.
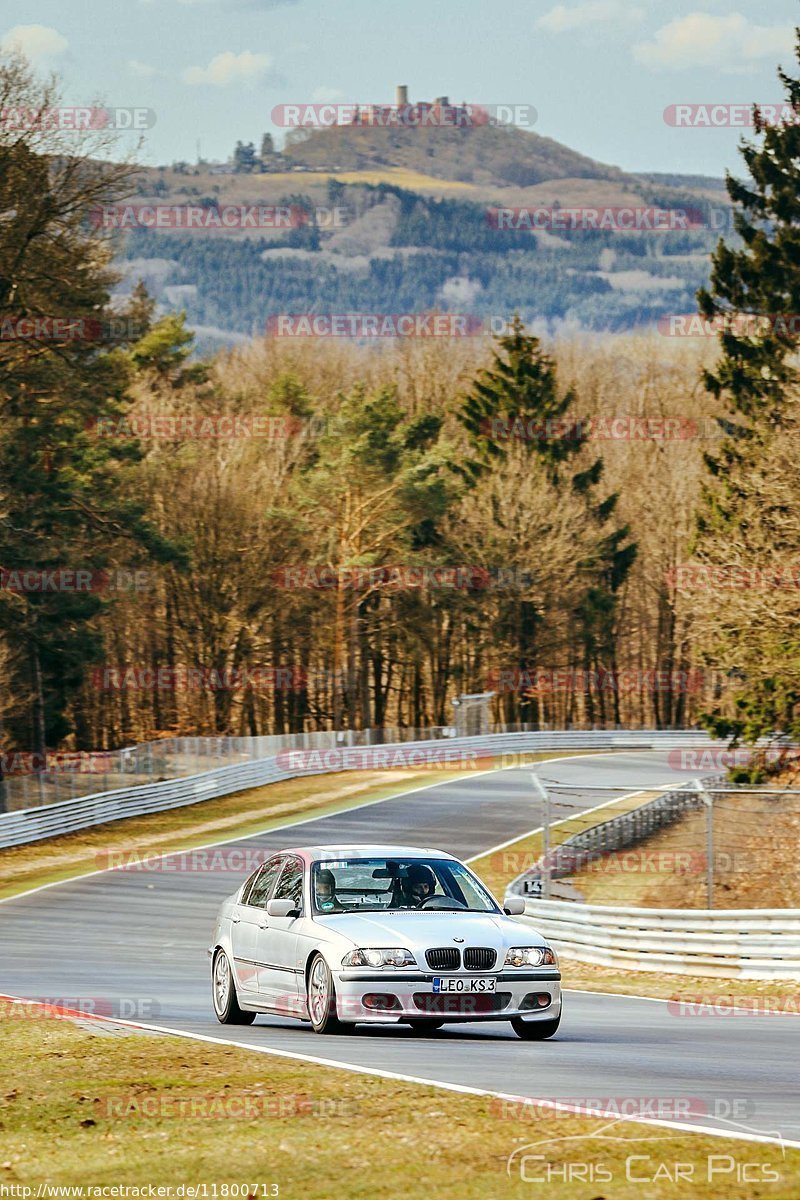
{"points": [[535, 1031], [223, 990], [321, 997]]}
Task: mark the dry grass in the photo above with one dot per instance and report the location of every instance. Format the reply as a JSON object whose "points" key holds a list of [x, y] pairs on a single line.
{"points": [[82, 1109]]}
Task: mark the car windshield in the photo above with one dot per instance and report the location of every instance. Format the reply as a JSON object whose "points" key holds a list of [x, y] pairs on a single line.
{"points": [[381, 884]]}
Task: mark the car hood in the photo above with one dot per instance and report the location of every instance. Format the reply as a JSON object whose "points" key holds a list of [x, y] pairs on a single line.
{"points": [[416, 930]]}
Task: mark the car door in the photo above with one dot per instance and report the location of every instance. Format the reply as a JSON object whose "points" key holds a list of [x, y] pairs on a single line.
{"points": [[246, 922], [276, 942]]}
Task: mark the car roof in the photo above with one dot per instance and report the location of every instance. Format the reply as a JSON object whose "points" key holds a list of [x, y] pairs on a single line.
{"points": [[326, 853]]}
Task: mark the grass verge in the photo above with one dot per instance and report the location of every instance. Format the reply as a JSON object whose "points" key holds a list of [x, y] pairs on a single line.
{"points": [[86, 1107]]}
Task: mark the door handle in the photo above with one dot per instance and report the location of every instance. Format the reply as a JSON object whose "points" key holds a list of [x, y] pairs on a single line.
{"points": [[263, 924], [235, 920]]}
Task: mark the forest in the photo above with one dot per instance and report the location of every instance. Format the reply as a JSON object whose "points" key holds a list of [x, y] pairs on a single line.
{"points": [[317, 533]]}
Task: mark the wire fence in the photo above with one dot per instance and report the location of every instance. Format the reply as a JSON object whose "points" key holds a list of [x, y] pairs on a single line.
{"points": [[80, 773], [710, 844]]}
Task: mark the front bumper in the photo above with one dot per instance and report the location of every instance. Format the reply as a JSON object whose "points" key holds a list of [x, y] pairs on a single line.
{"points": [[414, 997]]}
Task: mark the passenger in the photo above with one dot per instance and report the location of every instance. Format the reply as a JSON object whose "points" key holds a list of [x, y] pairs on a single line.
{"points": [[327, 900]]}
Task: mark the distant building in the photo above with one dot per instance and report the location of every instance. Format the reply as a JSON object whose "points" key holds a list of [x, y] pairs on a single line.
{"points": [[438, 112]]}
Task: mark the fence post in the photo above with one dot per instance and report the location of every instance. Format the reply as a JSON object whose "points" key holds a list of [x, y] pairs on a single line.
{"points": [[545, 795], [708, 801]]}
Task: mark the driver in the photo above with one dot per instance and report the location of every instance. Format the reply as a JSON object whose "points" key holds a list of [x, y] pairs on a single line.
{"points": [[327, 900], [418, 885]]}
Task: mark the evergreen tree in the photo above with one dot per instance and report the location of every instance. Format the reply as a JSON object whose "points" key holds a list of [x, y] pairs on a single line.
{"points": [[746, 512], [517, 404], [67, 502]]}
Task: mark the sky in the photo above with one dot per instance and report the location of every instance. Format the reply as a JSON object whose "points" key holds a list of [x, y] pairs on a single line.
{"points": [[599, 73]]}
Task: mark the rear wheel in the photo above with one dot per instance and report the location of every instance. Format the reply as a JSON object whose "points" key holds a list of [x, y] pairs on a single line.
{"points": [[425, 1026], [321, 996], [535, 1031], [223, 990]]}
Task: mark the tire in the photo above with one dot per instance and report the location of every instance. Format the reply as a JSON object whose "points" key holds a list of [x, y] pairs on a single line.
{"points": [[535, 1031], [321, 999], [223, 994], [424, 1027]]}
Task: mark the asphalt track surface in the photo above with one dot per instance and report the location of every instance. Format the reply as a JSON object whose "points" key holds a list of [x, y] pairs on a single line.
{"points": [[137, 940]]}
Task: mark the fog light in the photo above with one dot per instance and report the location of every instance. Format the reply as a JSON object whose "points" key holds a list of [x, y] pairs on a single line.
{"points": [[536, 1000], [380, 1000]]}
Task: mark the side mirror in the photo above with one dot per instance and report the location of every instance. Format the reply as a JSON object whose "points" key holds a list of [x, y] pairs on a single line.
{"points": [[514, 906], [282, 908]]}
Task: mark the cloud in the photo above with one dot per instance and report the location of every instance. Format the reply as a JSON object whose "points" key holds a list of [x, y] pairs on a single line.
{"points": [[251, 4], [701, 39], [326, 95], [141, 70], [39, 43], [228, 67], [566, 19]]}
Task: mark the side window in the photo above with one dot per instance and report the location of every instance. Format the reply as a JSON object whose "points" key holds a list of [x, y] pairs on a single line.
{"points": [[249, 884], [261, 891], [290, 884]]}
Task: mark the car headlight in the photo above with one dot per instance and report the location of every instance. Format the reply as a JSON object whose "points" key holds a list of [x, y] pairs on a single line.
{"points": [[531, 956], [393, 957]]}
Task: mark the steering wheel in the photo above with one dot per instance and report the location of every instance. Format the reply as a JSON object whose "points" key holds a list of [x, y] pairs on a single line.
{"points": [[441, 902]]}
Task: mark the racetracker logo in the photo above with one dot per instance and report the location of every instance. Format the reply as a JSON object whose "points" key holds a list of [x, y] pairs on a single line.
{"points": [[591, 429], [55, 762], [76, 119], [722, 760], [729, 116], [68, 329], [381, 325], [126, 1008], [184, 427], [730, 577], [422, 115], [356, 758], [610, 219], [720, 1005], [219, 860], [200, 216], [247, 1106], [198, 679], [72, 581], [551, 680], [740, 324], [402, 578]]}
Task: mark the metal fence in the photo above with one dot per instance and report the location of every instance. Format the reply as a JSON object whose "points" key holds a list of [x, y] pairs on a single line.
{"points": [[742, 943], [69, 815], [606, 837], [76, 774]]}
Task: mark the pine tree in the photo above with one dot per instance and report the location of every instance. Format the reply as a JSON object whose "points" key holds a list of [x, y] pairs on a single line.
{"points": [[517, 402], [748, 501], [67, 502]]}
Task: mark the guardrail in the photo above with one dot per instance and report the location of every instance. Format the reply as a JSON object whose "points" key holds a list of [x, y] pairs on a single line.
{"points": [[625, 829], [67, 816], [743, 943]]}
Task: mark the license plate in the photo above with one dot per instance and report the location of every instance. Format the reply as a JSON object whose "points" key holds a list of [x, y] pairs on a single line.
{"points": [[454, 984]]}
